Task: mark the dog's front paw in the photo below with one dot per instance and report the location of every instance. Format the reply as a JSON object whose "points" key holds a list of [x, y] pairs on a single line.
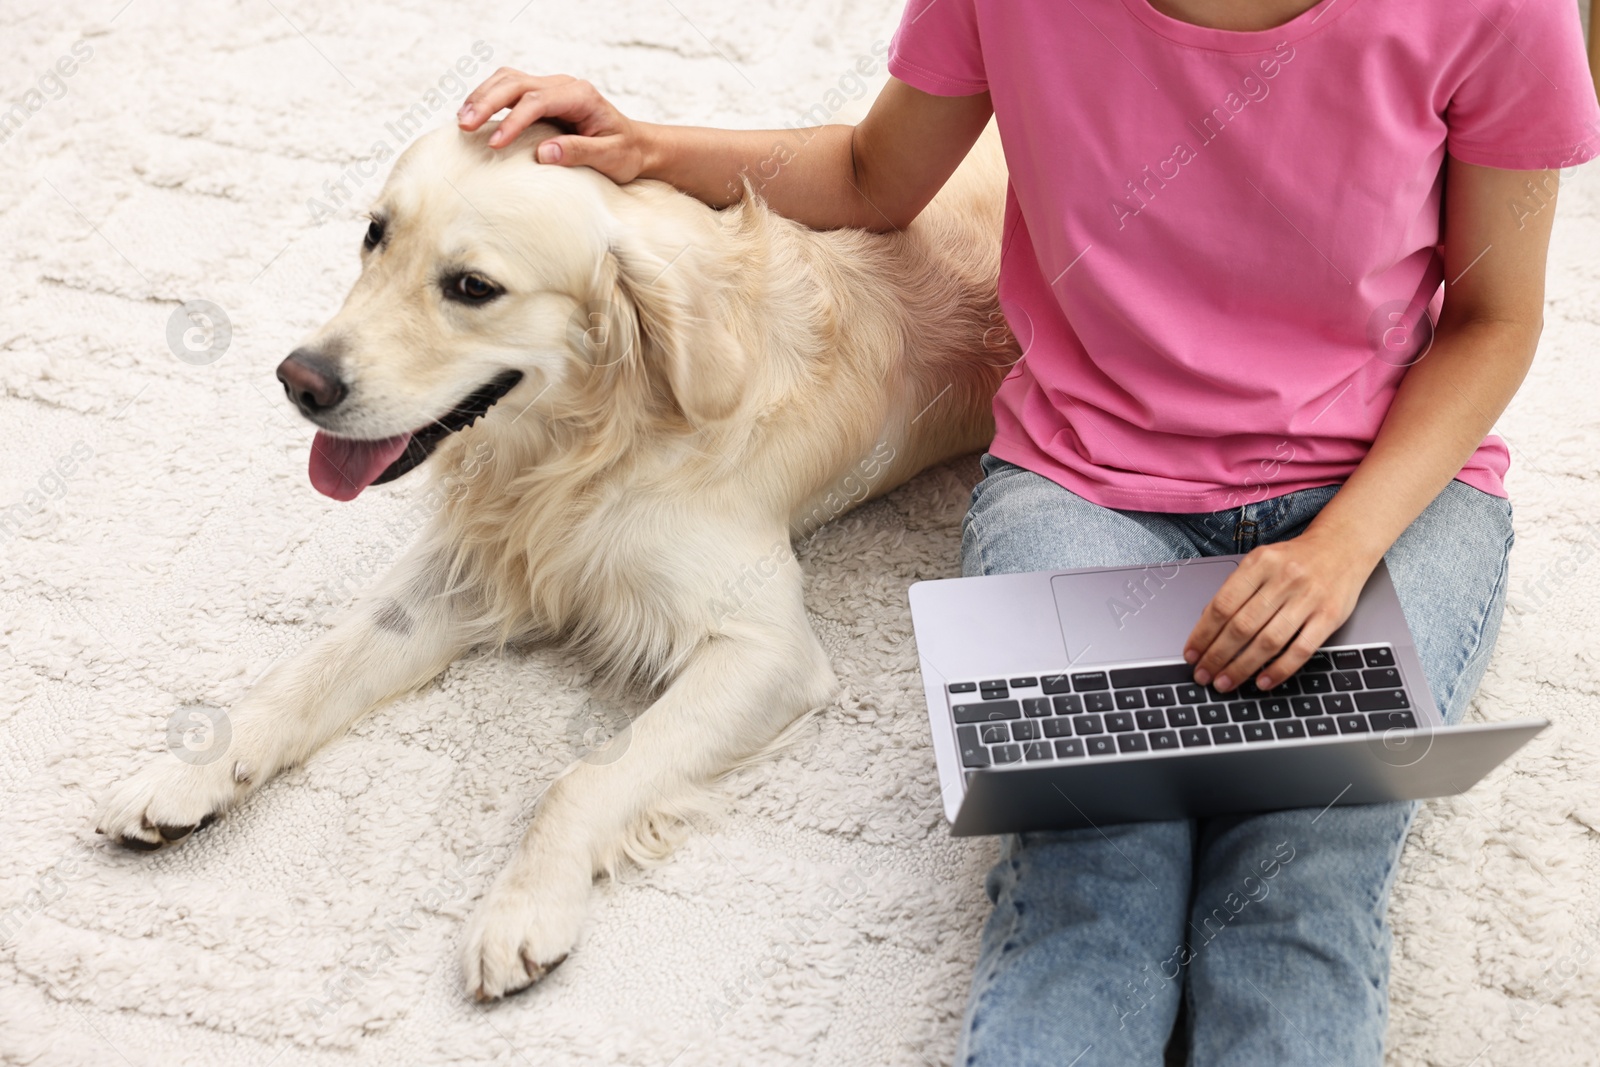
{"points": [[168, 800], [522, 931]]}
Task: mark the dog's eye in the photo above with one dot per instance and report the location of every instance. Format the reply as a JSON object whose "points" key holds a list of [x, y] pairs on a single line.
{"points": [[374, 235], [471, 289]]}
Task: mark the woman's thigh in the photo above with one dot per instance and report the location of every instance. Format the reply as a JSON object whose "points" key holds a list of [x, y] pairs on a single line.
{"points": [[1298, 966], [1021, 521], [1070, 965]]}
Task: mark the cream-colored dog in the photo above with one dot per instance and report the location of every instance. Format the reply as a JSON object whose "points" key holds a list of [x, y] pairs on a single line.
{"points": [[634, 402]]}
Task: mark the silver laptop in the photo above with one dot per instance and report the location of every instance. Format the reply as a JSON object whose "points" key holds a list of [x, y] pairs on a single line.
{"points": [[1060, 700]]}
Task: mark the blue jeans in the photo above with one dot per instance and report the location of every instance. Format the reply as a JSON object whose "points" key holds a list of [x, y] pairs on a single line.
{"points": [[1270, 929]]}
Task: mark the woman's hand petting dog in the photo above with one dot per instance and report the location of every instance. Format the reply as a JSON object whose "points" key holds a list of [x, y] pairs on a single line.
{"points": [[606, 139]]}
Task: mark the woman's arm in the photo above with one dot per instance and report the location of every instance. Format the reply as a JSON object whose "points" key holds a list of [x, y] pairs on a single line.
{"points": [[876, 176], [1493, 312]]}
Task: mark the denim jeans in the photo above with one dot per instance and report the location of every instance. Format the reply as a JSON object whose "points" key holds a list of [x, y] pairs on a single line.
{"points": [[1270, 929]]}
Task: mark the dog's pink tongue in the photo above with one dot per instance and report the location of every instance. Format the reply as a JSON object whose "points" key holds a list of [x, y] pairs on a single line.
{"points": [[341, 467]]}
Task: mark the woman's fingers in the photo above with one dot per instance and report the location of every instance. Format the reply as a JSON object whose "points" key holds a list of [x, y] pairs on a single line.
{"points": [[1267, 643], [502, 89], [1224, 660], [604, 140], [1210, 643], [1272, 613], [1312, 633]]}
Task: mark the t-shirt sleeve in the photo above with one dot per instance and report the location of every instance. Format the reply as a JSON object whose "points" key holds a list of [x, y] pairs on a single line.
{"points": [[1528, 103], [936, 48]]}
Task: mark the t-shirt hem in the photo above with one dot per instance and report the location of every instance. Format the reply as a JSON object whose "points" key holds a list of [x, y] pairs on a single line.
{"points": [[1170, 502], [931, 81], [1535, 159]]}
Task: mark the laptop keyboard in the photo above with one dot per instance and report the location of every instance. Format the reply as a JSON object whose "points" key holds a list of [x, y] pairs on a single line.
{"points": [[1134, 710]]}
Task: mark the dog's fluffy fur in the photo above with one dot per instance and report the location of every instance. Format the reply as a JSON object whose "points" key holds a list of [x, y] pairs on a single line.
{"points": [[699, 387]]}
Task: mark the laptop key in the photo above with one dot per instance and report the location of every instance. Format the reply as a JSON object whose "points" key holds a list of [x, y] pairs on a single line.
{"points": [[1163, 674], [1150, 720], [1195, 737], [1161, 740], [1036, 707], [993, 733], [1338, 704], [1226, 735], [994, 694], [1289, 687], [1102, 745], [1088, 724], [1068, 704], [1306, 706], [1244, 711], [1275, 708], [1025, 730], [1037, 750], [1056, 683], [1378, 657], [1320, 727], [1133, 743], [1024, 683], [1315, 683], [1381, 678], [1258, 731], [1353, 724], [1119, 722], [1098, 702], [1213, 714], [1383, 700], [1290, 728], [1129, 699], [1058, 727], [1007, 753], [1090, 681], [1346, 681], [1069, 749], [1000, 709], [1182, 716], [962, 687], [1393, 720], [973, 754], [1317, 661], [1191, 694], [1160, 697], [1347, 661]]}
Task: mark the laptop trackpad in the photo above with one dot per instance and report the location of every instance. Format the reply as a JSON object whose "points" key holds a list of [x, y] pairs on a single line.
{"points": [[1134, 613]]}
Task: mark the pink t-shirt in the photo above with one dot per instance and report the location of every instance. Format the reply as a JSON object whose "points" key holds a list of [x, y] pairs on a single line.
{"points": [[1220, 246]]}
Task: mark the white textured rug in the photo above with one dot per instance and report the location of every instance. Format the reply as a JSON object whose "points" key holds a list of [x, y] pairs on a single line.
{"points": [[161, 546]]}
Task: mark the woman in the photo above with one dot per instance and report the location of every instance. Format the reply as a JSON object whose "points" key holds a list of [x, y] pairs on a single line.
{"points": [[1227, 229]]}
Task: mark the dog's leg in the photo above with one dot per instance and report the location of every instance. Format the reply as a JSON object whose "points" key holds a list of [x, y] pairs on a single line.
{"points": [[737, 692], [402, 636]]}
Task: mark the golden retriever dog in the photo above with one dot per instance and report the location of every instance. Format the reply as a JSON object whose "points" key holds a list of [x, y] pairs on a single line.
{"points": [[634, 403]]}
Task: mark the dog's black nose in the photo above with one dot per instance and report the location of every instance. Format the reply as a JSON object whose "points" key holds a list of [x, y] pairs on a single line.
{"points": [[310, 380]]}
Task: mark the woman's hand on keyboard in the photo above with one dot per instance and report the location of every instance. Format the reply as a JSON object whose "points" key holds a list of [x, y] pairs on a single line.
{"points": [[1276, 609]]}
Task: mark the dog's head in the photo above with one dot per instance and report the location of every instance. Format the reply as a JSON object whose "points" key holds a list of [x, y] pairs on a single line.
{"points": [[494, 287]]}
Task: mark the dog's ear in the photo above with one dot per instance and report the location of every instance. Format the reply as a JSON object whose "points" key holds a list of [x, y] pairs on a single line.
{"points": [[680, 335]]}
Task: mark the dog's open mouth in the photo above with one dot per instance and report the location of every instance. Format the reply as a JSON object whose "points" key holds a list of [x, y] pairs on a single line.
{"points": [[342, 466]]}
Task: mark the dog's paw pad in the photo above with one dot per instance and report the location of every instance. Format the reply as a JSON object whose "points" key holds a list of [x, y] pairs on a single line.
{"points": [[138, 844]]}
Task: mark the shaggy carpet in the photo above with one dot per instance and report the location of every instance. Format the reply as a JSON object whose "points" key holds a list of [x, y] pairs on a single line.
{"points": [[161, 548]]}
